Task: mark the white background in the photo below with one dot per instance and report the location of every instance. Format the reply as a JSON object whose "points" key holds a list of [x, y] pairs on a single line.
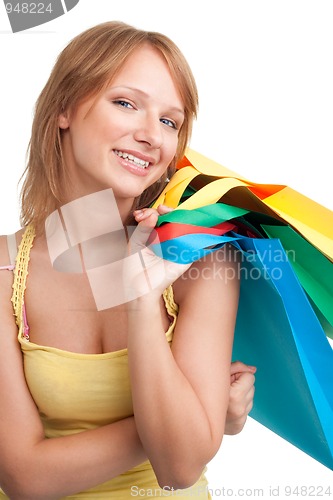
{"points": [[264, 72]]}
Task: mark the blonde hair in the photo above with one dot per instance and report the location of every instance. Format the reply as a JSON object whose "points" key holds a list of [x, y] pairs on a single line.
{"points": [[83, 69]]}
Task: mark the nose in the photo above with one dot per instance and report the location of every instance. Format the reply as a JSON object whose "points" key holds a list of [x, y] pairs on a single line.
{"points": [[149, 130]]}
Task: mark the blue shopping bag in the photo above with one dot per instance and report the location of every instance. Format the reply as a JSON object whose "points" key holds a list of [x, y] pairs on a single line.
{"points": [[278, 331]]}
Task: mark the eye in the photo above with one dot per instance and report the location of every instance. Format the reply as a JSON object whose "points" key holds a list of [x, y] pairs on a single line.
{"points": [[123, 104], [169, 123]]}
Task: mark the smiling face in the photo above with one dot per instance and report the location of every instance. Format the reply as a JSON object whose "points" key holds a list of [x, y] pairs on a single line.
{"points": [[126, 137]]}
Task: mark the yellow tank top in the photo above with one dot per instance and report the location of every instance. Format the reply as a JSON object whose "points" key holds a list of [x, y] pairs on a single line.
{"points": [[75, 392]]}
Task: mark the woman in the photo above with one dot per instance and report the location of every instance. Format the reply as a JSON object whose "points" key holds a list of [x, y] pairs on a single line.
{"points": [[101, 406]]}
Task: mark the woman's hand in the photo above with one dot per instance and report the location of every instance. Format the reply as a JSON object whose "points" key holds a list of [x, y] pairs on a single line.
{"points": [[241, 396], [152, 273]]}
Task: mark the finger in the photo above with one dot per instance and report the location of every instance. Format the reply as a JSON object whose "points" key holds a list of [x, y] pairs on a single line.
{"points": [[150, 215], [146, 219], [244, 380], [249, 407], [240, 367], [164, 209], [249, 400]]}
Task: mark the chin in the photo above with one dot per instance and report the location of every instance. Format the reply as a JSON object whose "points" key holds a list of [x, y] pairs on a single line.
{"points": [[131, 189], [127, 195]]}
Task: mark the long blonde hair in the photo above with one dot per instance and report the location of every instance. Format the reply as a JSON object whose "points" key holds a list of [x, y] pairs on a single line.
{"points": [[83, 69]]}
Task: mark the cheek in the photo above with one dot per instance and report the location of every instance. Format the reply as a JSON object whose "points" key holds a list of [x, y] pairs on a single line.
{"points": [[170, 149], [162, 169]]}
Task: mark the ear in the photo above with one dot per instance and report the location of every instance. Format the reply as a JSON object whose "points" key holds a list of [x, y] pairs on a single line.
{"points": [[63, 120]]}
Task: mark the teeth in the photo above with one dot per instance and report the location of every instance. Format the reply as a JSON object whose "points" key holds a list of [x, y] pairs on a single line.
{"points": [[134, 159]]}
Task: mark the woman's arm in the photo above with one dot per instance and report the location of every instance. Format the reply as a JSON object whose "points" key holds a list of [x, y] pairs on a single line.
{"points": [[32, 467], [181, 396]]}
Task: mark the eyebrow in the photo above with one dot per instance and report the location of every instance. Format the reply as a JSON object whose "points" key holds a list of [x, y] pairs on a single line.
{"points": [[144, 94]]}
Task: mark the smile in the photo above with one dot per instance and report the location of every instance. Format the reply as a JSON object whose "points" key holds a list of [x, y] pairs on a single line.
{"points": [[136, 161]]}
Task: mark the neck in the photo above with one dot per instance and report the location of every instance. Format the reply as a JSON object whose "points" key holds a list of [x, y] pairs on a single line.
{"points": [[93, 227], [99, 202]]}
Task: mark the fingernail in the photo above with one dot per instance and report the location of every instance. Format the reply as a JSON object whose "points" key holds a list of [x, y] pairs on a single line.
{"points": [[138, 214], [168, 209]]}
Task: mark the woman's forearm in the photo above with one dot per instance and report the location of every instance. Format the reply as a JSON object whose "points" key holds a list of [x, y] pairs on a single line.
{"points": [[171, 420], [67, 465]]}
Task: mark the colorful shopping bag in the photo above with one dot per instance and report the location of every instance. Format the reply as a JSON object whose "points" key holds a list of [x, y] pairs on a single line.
{"points": [[211, 182], [286, 289]]}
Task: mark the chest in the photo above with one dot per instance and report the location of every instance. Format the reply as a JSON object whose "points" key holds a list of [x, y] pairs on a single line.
{"points": [[62, 313]]}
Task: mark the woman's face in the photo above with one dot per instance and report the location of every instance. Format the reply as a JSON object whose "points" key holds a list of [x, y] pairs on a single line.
{"points": [[126, 137]]}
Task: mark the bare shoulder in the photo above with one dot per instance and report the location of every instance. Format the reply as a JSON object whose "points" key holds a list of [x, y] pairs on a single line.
{"points": [[4, 249], [6, 277], [4, 254], [217, 272]]}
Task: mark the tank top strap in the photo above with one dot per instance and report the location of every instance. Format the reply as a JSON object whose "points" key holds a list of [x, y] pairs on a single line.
{"points": [[170, 304], [20, 277]]}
